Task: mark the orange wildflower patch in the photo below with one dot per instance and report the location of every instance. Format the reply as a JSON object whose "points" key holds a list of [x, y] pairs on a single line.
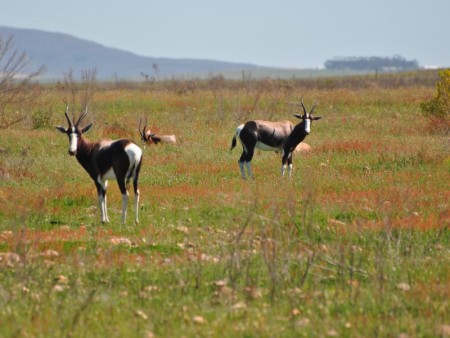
{"points": [[417, 222], [119, 258], [412, 222], [16, 174], [187, 190], [386, 199], [40, 236], [50, 244], [391, 208], [61, 234], [422, 291], [370, 197], [20, 201], [345, 147], [203, 167], [115, 131]]}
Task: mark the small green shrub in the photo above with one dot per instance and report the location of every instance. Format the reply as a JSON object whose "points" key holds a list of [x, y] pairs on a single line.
{"points": [[439, 106], [42, 120]]}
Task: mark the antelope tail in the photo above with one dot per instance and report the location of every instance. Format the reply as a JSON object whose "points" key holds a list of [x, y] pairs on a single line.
{"points": [[233, 143]]}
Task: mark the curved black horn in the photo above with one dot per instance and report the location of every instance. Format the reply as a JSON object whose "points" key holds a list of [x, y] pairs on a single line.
{"points": [[67, 117], [303, 106], [82, 116], [144, 132], [139, 127], [314, 107]]}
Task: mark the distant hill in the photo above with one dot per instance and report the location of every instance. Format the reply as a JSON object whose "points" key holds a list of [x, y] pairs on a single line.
{"points": [[62, 52]]}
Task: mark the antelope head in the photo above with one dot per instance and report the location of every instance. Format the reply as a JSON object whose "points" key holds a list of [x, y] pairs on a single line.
{"points": [[74, 131], [146, 135], [308, 117]]}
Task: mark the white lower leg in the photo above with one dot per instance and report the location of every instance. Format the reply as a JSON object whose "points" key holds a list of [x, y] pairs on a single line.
{"points": [[102, 202], [136, 208], [105, 205], [241, 166], [124, 206], [249, 169], [283, 168], [290, 170], [102, 210]]}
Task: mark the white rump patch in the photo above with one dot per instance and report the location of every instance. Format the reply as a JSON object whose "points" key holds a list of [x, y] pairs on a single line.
{"points": [[134, 154], [239, 128], [237, 133]]}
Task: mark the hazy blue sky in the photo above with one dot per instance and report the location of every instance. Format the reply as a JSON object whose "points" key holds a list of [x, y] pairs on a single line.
{"points": [[282, 33]]}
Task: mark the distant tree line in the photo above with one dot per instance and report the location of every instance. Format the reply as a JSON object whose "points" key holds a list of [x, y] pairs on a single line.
{"points": [[372, 62]]}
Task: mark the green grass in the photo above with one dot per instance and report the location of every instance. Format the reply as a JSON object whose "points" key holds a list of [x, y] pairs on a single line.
{"points": [[355, 244]]}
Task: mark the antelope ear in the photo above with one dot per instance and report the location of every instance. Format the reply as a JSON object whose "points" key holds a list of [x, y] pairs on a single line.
{"points": [[87, 128], [317, 118], [61, 129], [298, 116]]}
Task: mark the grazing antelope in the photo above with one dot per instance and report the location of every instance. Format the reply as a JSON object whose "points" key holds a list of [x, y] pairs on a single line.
{"points": [[277, 136], [148, 137], [106, 159]]}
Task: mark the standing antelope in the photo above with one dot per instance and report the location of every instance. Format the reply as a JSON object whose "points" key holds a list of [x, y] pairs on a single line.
{"points": [[277, 136], [106, 159]]}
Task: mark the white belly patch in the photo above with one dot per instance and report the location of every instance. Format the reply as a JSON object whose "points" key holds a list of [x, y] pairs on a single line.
{"points": [[265, 147], [109, 175]]}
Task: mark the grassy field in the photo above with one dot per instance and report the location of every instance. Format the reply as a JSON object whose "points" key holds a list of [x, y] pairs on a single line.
{"points": [[356, 244]]}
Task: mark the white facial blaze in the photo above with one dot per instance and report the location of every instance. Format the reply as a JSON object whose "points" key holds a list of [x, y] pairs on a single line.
{"points": [[307, 125], [73, 140]]}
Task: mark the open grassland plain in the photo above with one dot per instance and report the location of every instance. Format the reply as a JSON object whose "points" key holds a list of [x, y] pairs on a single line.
{"points": [[355, 244]]}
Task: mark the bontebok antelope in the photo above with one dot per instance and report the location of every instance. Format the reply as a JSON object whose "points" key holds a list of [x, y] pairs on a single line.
{"points": [[106, 159], [148, 137], [280, 136]]}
